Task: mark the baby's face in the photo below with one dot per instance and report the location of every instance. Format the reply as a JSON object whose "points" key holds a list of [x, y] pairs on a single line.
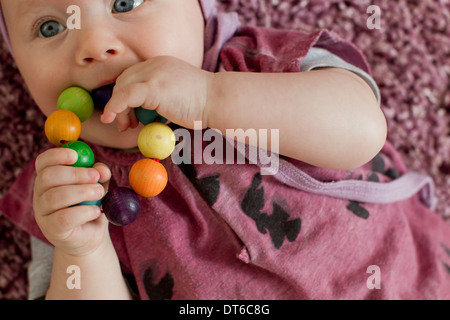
{"points": [[114, 35]]}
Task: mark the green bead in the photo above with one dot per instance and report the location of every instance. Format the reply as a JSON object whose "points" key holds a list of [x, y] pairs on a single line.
{"points": [[146, 116], [85, 154], [77, 100]]}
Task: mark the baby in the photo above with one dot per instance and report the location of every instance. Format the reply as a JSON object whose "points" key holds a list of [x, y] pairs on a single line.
{"points": [[219, 231]]}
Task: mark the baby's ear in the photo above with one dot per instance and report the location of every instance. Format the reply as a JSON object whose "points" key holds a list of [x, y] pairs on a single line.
{"points": [[105, 174]]}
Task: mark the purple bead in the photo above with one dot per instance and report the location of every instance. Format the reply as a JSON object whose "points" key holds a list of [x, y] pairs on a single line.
{"points": [[121, 206], [102, 95]]}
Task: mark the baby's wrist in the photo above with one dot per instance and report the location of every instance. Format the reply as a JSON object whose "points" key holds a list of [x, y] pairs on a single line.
{"points": [[104, 248], [95, 275], [212, 99]]}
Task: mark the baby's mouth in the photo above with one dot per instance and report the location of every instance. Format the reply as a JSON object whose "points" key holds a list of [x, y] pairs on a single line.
{"points": [[102, 95]]}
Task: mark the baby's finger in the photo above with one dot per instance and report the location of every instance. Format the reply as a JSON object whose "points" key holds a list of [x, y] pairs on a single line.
{"points": [[134, 122], [104, 171], [55, 176], [123, 120], [55, 156], [130, 96], [105, 174], [127, 119], [64, 221], [65, 196]]}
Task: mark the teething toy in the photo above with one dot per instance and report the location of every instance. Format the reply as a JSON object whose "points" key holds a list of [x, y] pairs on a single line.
{"points": [[85, 154], [102, 95], [121, 206], [78, 101], [156, 140], [62, 126], [147, 177], [148, 116]]}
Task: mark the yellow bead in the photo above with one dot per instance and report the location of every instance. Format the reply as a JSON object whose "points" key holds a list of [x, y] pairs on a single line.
{"points": [[62, 126], [156, 141]]}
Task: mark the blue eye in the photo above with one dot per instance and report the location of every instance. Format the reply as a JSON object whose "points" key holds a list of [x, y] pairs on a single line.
{"points": [[50, 29], [126, 5]]}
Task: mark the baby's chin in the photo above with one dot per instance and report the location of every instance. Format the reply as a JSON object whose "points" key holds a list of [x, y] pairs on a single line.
{"points": [[107, 135]]}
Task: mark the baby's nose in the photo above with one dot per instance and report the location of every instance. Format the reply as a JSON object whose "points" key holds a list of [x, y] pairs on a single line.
{"points": [[99, 56], [97, 46]]}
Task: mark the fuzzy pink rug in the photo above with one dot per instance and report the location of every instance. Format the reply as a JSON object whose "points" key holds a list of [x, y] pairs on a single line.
{"points": [[410, 59]]}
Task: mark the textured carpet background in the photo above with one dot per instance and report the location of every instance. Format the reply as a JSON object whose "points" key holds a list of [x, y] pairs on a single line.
{"points": [[410, 59]]}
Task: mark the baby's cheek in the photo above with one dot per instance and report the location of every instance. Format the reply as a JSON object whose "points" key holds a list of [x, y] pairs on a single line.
{"points": [[44, 97]]}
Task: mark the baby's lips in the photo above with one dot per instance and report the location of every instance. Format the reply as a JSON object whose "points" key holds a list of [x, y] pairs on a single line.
{"points": [[102, 95]]}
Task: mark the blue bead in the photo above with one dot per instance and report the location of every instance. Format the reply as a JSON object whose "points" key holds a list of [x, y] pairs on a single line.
{"points": [[91, 203]]}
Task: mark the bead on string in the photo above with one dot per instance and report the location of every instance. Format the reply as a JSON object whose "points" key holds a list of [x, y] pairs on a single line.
{"points": [[147, 177]]}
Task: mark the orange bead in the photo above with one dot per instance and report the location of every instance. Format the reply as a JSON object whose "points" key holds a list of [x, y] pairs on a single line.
{"points": [[148, 177], [62, 126]]}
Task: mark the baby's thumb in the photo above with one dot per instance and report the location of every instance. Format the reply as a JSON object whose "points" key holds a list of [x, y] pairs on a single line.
{"points": [[105, 174]]}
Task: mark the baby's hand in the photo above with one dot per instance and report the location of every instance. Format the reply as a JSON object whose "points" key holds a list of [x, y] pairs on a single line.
{"points": [[77, 230], [175, 89]]}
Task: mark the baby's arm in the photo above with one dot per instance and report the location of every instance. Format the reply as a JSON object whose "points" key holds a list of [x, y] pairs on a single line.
{"points": [[100, 276], [79, 233], [327, 117]]}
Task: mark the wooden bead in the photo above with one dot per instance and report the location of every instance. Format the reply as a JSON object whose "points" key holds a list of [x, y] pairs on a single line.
{"points": [[102, 95], [146, 116], [148, 177], [156, 141], [121, 206], [97, 203], [62, 126], [78, 101], [85, 155]]}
